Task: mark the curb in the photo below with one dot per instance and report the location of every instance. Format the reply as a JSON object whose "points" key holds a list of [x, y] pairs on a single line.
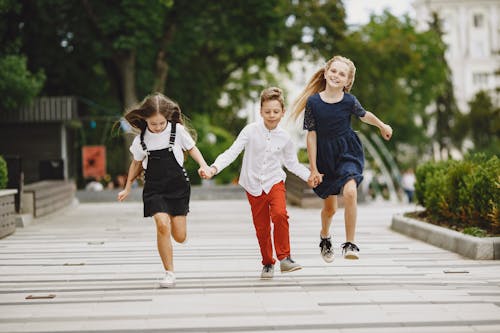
{"points": [[466, 245]]}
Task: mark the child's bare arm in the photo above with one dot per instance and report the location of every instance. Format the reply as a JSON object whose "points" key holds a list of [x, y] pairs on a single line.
{"points": [[371, 119], [133, 172], [198, 157]]}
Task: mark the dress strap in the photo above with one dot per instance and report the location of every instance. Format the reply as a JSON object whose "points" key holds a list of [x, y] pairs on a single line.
{"points": [[172, 133], [143, 144]]}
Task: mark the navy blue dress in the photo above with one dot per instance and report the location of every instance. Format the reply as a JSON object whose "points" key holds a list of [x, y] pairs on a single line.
{"points": [[340, 154]]}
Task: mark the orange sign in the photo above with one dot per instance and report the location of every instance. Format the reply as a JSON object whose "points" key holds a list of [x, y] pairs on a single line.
{"points": [[94, 161]]}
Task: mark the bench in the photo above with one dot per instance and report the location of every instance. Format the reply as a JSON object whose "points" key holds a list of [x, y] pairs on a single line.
{"points": [[47, 196], [7, 212], [299, 194]]}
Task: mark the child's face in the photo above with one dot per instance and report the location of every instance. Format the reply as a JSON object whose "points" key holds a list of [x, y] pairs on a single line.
{"points": [[337, 75], [157, 123], [272, 112]]}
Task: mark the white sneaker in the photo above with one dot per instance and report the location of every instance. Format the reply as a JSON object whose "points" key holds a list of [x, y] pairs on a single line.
{"points": [[168, 281]]}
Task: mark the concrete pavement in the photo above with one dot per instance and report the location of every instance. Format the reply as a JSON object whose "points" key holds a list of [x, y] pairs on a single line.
{"points": [[94, 268]]}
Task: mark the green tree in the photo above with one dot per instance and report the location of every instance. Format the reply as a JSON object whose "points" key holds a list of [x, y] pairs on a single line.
{"points": [[189, 49], [397, 74], [18, 85], [481, 125], [446, 110]]}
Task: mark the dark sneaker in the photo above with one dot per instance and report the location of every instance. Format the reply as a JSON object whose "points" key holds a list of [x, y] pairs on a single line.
{"points": [[326, 249], [288, 265], [350, 251], [267, 272]]}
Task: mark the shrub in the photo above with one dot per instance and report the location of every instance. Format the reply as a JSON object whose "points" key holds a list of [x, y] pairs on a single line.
{"points": [[3, 173], [464, 193], [422, 175]]}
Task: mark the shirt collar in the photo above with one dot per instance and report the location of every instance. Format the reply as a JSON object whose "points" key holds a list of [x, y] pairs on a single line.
{"points": [[266, 130]]}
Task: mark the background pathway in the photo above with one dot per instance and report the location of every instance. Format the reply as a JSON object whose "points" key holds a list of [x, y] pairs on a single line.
{"points": [[99, 263]]}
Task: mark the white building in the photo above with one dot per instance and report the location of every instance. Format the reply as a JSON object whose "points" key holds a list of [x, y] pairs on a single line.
{"points": [[472, 32]]}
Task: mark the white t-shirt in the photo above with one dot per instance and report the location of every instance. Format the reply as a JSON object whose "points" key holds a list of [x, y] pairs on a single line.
{"points": [[265, 153], [408, 181], [157, 141]]}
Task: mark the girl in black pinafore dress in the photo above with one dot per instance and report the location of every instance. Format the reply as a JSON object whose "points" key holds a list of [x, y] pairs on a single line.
{"points": [[335, 152], [159, 150]]}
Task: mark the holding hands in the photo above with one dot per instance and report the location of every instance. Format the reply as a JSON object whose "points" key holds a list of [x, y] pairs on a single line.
{"points": [[207, 173], [315, 179]]}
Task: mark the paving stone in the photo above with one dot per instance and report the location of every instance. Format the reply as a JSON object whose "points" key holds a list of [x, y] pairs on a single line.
{"points": [[100, 262]]}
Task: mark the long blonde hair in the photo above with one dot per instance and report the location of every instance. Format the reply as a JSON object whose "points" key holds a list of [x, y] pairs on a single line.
{"points": [[317, 83]]}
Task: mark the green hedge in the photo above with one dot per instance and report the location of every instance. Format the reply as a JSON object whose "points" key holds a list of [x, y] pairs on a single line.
{"points": [[3, 173], [462, 193]]}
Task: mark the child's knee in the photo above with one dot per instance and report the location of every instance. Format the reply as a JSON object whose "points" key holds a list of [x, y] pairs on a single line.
{"points": [[163, 228], [329, 211], [350, 193], [279, 215], [180, 237]]}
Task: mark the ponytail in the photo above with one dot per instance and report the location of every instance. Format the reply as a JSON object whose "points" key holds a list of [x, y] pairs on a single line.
{"points": [[316, 84]]}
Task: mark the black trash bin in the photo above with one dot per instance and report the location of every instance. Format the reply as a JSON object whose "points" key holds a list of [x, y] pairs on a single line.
{"points": [[51, 169], [15, 177]]}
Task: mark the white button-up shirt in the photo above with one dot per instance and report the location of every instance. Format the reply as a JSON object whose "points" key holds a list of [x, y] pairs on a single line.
{"points": [[265, 153]]}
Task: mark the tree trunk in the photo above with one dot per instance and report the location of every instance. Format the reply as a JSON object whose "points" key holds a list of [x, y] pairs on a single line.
{"points": [[126, 67], [161, 72], [125, 63]]}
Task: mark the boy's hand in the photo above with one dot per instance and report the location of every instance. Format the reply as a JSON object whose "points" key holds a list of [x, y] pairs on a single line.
{"points": [[386, 131], [206, 173]]}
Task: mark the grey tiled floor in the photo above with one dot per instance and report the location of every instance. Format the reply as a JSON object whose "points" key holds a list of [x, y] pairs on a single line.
{"points": [[100, 262]]}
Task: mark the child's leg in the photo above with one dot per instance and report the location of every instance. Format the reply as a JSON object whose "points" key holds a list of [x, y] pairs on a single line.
{"points": [[262, 224], [350, 213], [163, 231], [179, 232], [329, 209], [279, 217]]}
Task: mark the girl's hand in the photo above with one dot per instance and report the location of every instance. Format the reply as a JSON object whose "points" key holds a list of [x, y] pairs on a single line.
{"points": [[123, 194], [386, 131], [206, 173], [315, 178]]}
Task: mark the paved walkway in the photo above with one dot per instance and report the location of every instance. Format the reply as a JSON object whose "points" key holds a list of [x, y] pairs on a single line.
{"points": [[99, 263]]}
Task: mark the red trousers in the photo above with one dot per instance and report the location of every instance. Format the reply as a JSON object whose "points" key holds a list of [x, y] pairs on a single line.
{"points": [[267, 208]]}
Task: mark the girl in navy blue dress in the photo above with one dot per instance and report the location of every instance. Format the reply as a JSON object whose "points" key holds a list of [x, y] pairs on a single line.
{"points": [[335, 152]]}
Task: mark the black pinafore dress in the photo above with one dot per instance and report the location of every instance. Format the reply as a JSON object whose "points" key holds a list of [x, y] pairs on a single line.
{"points": [[166, 187]]}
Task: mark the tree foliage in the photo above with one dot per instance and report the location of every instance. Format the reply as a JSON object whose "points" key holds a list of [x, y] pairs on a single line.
{"points": [[18, 85], [481, 125], [397, 74]]}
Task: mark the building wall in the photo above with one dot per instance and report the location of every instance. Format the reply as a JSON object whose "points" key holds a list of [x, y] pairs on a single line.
{"points": [[472, 32], [34, 143]]}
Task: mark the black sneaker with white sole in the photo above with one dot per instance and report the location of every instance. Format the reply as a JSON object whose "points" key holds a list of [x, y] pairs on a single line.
{"points": [[326, 249], [350, 251]]}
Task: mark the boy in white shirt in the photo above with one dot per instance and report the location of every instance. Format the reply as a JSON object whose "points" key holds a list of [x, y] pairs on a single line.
{"points": [[267, 147]]}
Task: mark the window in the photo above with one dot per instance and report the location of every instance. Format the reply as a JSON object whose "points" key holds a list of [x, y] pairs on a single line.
{"points": [[478, 20], [480, 79]]}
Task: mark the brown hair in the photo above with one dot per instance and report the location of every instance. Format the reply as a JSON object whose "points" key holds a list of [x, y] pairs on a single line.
{"points": [[272, 93], [151, 105], [317, 83]]}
